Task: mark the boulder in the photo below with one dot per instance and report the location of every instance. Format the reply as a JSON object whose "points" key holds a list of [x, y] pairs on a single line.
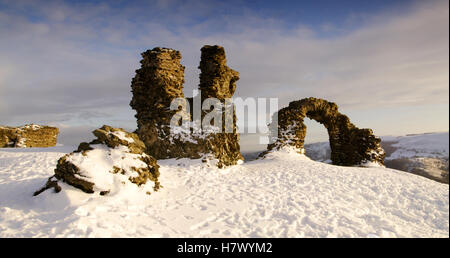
{"points": [[115, 158]]}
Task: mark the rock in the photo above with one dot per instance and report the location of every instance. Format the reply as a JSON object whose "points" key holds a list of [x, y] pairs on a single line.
{"points": [[158, 82], [28, 136], [84, 146], [113, 137], [349, 145], [114, 156], [51, 183], [70, 173]]}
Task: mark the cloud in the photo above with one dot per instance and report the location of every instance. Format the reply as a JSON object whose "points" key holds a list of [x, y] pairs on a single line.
{"points": [[399, 61], [73, 62]]}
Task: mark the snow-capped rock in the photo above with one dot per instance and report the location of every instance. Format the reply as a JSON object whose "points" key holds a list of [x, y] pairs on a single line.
{"points": [[106, 165]]}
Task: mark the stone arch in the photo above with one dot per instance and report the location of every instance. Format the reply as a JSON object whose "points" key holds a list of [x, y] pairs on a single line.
{"points": [[349, 144]]}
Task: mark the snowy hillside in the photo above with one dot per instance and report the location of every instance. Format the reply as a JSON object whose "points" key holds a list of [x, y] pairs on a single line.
{"points": [[419, 145], [422, 154], [284, 195]]}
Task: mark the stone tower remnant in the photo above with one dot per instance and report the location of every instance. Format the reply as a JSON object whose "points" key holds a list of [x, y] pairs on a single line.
{"points": [[159, 81]]}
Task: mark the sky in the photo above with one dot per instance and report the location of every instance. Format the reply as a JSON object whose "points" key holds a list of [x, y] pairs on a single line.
{"points": [[385, 63]]}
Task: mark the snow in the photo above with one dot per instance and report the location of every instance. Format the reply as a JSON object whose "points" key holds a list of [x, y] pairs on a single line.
{"points": [[183, 133], [283, 195], [95, 166], [370, 164], [422, 145], [21, 143], [122, 136], [31, 126]]}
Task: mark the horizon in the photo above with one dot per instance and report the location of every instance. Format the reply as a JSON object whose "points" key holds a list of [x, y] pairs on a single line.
{"points": [[69, 64]]}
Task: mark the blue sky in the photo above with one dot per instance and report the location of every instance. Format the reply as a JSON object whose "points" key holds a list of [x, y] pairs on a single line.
{"points": [[312, 12], [385, 63], [327, 17]]}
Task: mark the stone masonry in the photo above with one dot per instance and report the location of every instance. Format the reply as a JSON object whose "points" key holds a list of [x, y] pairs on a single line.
{"points": [[159, 81], [28, 136], [350, 145]]}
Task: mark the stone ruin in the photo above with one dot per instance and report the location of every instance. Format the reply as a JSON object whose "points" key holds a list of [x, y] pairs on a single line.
{"points": [[114, 156], [156, 85], [28, 136], [159, 81], [350, 146]]}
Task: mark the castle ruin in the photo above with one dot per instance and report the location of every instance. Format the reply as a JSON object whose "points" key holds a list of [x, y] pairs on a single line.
{"points": [[160, 81]]}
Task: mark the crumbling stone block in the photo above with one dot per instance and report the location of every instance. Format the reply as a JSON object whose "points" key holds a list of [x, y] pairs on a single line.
{"points": [[28, 136]]}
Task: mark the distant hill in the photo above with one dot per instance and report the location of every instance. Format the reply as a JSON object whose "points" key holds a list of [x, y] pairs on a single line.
{"points": [[421, 154]]}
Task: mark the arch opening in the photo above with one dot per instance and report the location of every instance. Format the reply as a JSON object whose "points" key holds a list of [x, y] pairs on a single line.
{"points": [[317, 143]]}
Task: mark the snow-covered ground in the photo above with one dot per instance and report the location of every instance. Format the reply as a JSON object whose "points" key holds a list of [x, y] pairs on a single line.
{"points": [[284, 195]]}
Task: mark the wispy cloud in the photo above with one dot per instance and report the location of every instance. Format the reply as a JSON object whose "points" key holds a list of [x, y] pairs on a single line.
{"points": [[71, 62]]}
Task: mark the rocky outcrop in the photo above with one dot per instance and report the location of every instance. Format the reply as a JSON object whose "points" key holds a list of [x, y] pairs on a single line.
{"points": [[349, 144], [114, 156], [158, 82], [28, 136]]}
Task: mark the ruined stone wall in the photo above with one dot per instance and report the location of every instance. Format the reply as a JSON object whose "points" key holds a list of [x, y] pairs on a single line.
{"points": [[159, 81], [218, 81], [28, 136], [349, 144]]}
